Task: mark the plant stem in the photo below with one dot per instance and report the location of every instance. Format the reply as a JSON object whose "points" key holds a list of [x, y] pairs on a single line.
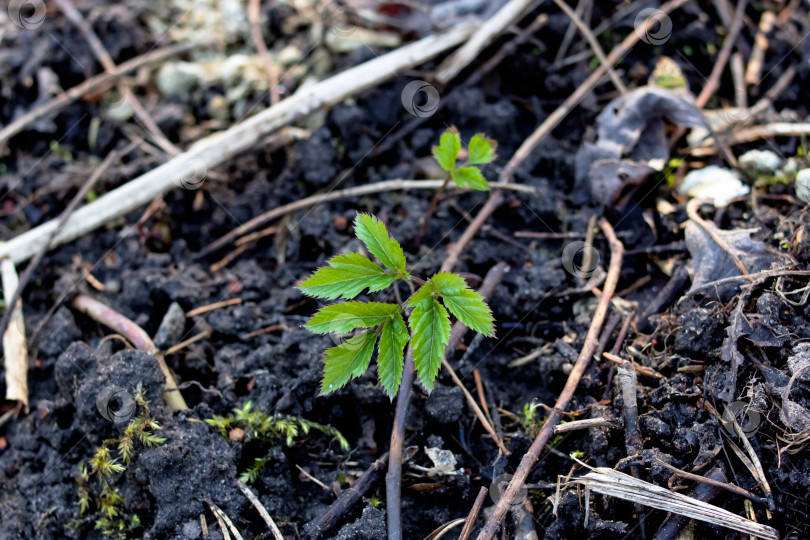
{"points": [[393, 479], [434, 202], [136, 335]]}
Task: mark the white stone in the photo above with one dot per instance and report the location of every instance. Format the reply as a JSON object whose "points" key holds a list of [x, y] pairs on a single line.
{"points": [[715, 183]]}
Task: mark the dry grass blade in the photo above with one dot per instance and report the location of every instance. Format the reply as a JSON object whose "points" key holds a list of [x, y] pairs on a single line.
{"points": [[225, 523], [254, 500], [444, 529], [616, 484], [15, 362]]}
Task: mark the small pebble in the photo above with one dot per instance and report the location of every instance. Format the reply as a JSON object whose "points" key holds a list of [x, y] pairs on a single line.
{"points": [[803, 185], [715, 183], [758, 162]]}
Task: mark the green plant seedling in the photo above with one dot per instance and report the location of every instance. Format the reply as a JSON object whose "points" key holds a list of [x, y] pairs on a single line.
{"points": [[481, 150], [383, 324]]}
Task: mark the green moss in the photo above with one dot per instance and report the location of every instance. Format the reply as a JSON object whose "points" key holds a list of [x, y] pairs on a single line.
{"points": [[96, 481], [271, 428]]}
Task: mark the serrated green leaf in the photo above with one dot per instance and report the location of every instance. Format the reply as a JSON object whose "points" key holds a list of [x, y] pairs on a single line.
{"points": [[347, 361], [472, 177], [467, 305], [424, 292], [345, 317], [481, 149], [430, 328], [376, 238], [447, 151], [346, 277], [393, 337]]}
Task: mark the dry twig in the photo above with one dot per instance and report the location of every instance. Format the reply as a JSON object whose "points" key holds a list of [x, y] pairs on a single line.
{"points": [[91, 85], [473, 515], [595, 47], [19, 362], [220, 147], [585, 356], [320, 198], [140, 339], [107, 62]]}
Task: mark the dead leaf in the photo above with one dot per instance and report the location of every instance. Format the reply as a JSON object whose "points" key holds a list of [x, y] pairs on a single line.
{"points": [[631, 130], [710, 262]]}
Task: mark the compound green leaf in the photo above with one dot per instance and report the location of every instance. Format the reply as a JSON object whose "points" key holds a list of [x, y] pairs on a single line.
{"points": [[467, 305], [447, 151], [345, 317], [346, 277], [426, 291], [375, 236], [393, 337], [481, 149], [347, 361], [430, 328], [472, 177]]}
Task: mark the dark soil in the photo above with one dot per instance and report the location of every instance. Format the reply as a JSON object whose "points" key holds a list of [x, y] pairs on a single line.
{"points": [[538, 303]]}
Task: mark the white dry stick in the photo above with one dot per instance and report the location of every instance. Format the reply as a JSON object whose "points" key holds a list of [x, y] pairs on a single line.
{"points": [[186, 169], [623, 486], [16, 351], [490, 30]]}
